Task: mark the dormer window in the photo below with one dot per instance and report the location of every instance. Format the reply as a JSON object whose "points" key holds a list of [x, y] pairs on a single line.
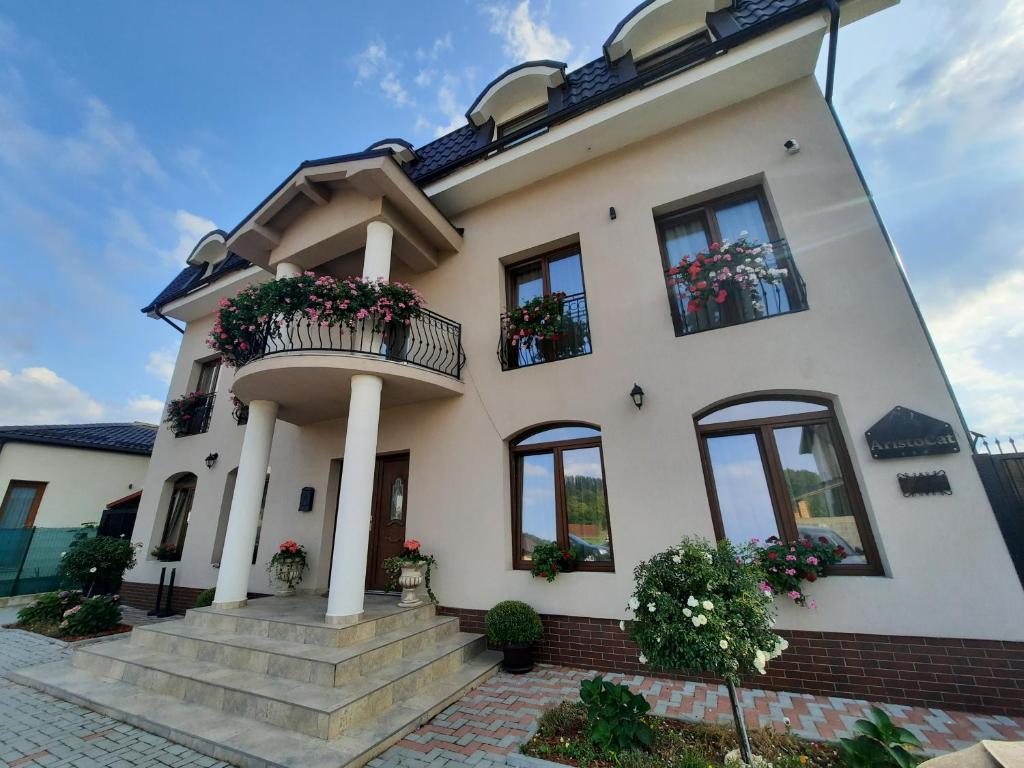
{"points": [[677, 50], [524, 120]]}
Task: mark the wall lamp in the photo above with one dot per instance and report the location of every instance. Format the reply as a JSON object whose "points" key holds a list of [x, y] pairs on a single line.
{"points": [[637, 393], [211, 459]]}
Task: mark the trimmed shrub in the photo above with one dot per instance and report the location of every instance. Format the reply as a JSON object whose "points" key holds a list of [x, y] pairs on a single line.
{"points": [[512, 622], [94, 615], [49, 608], [97, 564], [205, 598]]}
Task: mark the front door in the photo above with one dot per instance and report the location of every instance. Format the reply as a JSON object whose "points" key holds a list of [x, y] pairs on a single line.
{"points": [[387, 521]]}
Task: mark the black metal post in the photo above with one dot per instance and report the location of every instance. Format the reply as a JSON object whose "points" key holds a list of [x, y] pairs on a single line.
{"points": [[170, 595], [159, 593], [741, 726]]}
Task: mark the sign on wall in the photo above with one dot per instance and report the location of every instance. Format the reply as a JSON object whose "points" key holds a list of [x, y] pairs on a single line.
{"points": [[903, 432]]}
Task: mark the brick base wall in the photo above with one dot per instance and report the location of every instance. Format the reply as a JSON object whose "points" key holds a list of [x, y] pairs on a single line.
{"points": [[948, 673], [139, 594]]}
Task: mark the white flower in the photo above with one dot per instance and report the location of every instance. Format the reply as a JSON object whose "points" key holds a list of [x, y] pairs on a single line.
{"points": [[687, 612], [707, 605], [642, 659], [622, 626], [696, 621], [677, 559], [651, 607], [723, 644], [692, 601], [702, 618], [93, 569], [62, 554], [634, 603], [760, 659], [708, 557]]}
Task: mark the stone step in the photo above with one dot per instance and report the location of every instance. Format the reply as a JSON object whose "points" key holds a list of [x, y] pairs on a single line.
{"points": [[321, 665], [307, 708], [287, 619], [233, 739]]}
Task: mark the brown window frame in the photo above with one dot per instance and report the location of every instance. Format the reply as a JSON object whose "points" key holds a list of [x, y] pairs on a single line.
{"points": [[554, 447], [782, 503], [522, 121], [544, 259], [40, 488]]}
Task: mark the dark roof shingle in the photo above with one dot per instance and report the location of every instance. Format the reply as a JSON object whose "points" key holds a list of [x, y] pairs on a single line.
{"points": [[129, 437]]}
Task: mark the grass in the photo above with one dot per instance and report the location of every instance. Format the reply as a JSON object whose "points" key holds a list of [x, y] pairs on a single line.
{"points": [[562, 738]]}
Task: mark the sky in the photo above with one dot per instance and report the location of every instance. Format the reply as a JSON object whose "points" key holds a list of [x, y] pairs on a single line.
{"points": [[128, 130]]}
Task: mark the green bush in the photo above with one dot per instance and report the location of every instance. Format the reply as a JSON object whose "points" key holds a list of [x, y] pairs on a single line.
{"points": [[49, 608], [566, 717], [615, 716], [97, 564], [880, 744], [513, 622], [94, 615], [205, 598]]}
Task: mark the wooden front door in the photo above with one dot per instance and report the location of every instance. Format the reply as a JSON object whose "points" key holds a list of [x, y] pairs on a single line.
{"points": [[387, 522]]}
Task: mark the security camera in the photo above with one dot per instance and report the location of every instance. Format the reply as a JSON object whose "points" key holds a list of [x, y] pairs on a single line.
{"points": [[792, 146]]}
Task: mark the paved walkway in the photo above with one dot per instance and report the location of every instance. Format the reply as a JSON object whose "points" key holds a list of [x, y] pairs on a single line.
{"points": [[479, 730]]}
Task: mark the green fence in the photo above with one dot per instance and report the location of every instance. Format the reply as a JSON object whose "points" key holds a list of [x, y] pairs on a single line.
{"points": [[30, 558]]}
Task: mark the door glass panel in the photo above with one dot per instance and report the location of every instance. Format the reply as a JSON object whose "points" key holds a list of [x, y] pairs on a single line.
{"points": [[735, 218], [742, 488], [586, 507], [817, 488], [566, 274], [397, 501], [537, 489], [527, 283], [19, 504]]}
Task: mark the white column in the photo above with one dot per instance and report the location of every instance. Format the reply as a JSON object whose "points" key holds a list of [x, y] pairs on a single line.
{"points": [[286, 269], [355, 498], [243, 518]]}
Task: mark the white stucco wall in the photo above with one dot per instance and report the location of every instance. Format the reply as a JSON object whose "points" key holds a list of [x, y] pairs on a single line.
{"points": [[860, 343], [80, 483]]}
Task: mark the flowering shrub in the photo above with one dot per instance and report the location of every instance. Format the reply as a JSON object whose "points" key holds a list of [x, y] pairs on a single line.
{"points": [[325, 301], [184, 411], [787, 564], [707, 276], [92, 616], [548, 560], [97, 564], [536, 320], [410, 556], [288, 563], [49, 608], [166, 552]]}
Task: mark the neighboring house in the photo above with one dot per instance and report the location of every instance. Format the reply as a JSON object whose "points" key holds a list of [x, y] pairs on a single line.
{"points": [[64, 475], [700, 121]]}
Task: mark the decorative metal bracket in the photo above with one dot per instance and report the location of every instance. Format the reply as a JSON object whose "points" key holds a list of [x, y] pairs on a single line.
{"points": [[925, 483]]}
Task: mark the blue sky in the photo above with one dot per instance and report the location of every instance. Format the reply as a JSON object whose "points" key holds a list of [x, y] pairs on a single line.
{"points": [[129, 129]]}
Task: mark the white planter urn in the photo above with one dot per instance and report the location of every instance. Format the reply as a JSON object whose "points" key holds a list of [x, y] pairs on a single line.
{"points": [[288, 576], [410, 578]]}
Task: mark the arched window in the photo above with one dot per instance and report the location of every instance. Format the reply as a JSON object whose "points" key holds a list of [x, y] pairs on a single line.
{"points": [[778, 466], [179, 508], [558, 494]]}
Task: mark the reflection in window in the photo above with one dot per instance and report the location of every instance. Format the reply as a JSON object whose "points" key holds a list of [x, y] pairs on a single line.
{"points": [[178, 512], [779, 468], [560, 494]]}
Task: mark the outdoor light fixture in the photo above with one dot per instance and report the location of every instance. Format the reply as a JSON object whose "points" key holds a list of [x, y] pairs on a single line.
{"points": [[637, 393], [211, 459]]}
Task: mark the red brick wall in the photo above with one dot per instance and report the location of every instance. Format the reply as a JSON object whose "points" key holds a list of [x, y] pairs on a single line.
{"points": [[948, 673], [141, 595]]}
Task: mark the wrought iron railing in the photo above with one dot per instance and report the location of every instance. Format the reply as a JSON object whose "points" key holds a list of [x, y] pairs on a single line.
{"points": [[430, 341], [573, 342], [743, 305], [201, 413]]}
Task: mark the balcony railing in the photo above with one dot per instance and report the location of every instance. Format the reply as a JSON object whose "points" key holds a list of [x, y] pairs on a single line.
{"points": [[201, 413], [575, 341], [431, 341], [743, 305]]}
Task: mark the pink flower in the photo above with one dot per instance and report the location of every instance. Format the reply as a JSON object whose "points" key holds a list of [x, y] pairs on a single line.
{"points": [[812, 560], [791, 572], [793, 594], [791, 558]]}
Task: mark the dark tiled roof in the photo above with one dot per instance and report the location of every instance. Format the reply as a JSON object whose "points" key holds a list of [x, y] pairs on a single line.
{"points": [[440, 152], [746, 13], [191, 277], [589, 81], [133, 437]]}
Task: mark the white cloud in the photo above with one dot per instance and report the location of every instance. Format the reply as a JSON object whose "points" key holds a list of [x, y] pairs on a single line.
{"points": [[189, 227], [979, 333], [374, 63], [394, 90], [40, 396], [424, 77], [161, 364], [527, 38], [194, 164], [143, 408], [441, 45], [371, 60], [105, 140]]}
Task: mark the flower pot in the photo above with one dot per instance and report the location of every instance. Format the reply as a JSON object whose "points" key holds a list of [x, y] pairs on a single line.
{"points": [[518, 658], [288, 574], [566, 565], [410, 578]]}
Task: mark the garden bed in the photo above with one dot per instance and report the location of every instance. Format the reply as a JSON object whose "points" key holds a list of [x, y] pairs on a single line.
{"points": [[53, 630], [561, 738]]}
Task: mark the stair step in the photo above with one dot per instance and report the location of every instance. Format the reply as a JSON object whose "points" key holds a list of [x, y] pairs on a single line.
{"points": [[290, 619], [321, 665], [228, 737], [312, 709]]}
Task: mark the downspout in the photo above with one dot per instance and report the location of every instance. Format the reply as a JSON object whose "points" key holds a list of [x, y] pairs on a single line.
{"points": [[833, 44], [175, 326]]}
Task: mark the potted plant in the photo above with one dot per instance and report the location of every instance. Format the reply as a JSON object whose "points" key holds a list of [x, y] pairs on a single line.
{"points": [[287, 566], [514, 627], [788, 563], [549, 560], [186, 413], [166, 552], [537, 324], [408, 570]]}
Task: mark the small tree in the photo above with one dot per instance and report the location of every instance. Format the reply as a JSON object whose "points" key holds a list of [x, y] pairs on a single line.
{"points": [[97, 564], [705, 608]]}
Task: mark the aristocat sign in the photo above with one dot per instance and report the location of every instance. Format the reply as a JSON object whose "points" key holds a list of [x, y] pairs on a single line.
{"points": [[903, 432]]}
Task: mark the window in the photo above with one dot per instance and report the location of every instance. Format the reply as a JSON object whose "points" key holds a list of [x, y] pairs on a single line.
{"points": [[559, 494], [522, 121], [557, 272], [178, 511], [779, 467], [206, 386], [692, 231], [673, 51], [209, 373], [20, 504]]}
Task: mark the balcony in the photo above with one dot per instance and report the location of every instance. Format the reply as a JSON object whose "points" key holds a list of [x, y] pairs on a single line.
{"points": [[783, 295], [572, 341], [199, 411], [306, 367]]}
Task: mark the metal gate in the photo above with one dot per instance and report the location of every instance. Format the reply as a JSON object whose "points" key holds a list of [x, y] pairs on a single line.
{"points": [[1002, 474]]}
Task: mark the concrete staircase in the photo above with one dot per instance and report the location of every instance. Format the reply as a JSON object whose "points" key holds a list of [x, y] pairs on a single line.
{"points": [[272, 685]]}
